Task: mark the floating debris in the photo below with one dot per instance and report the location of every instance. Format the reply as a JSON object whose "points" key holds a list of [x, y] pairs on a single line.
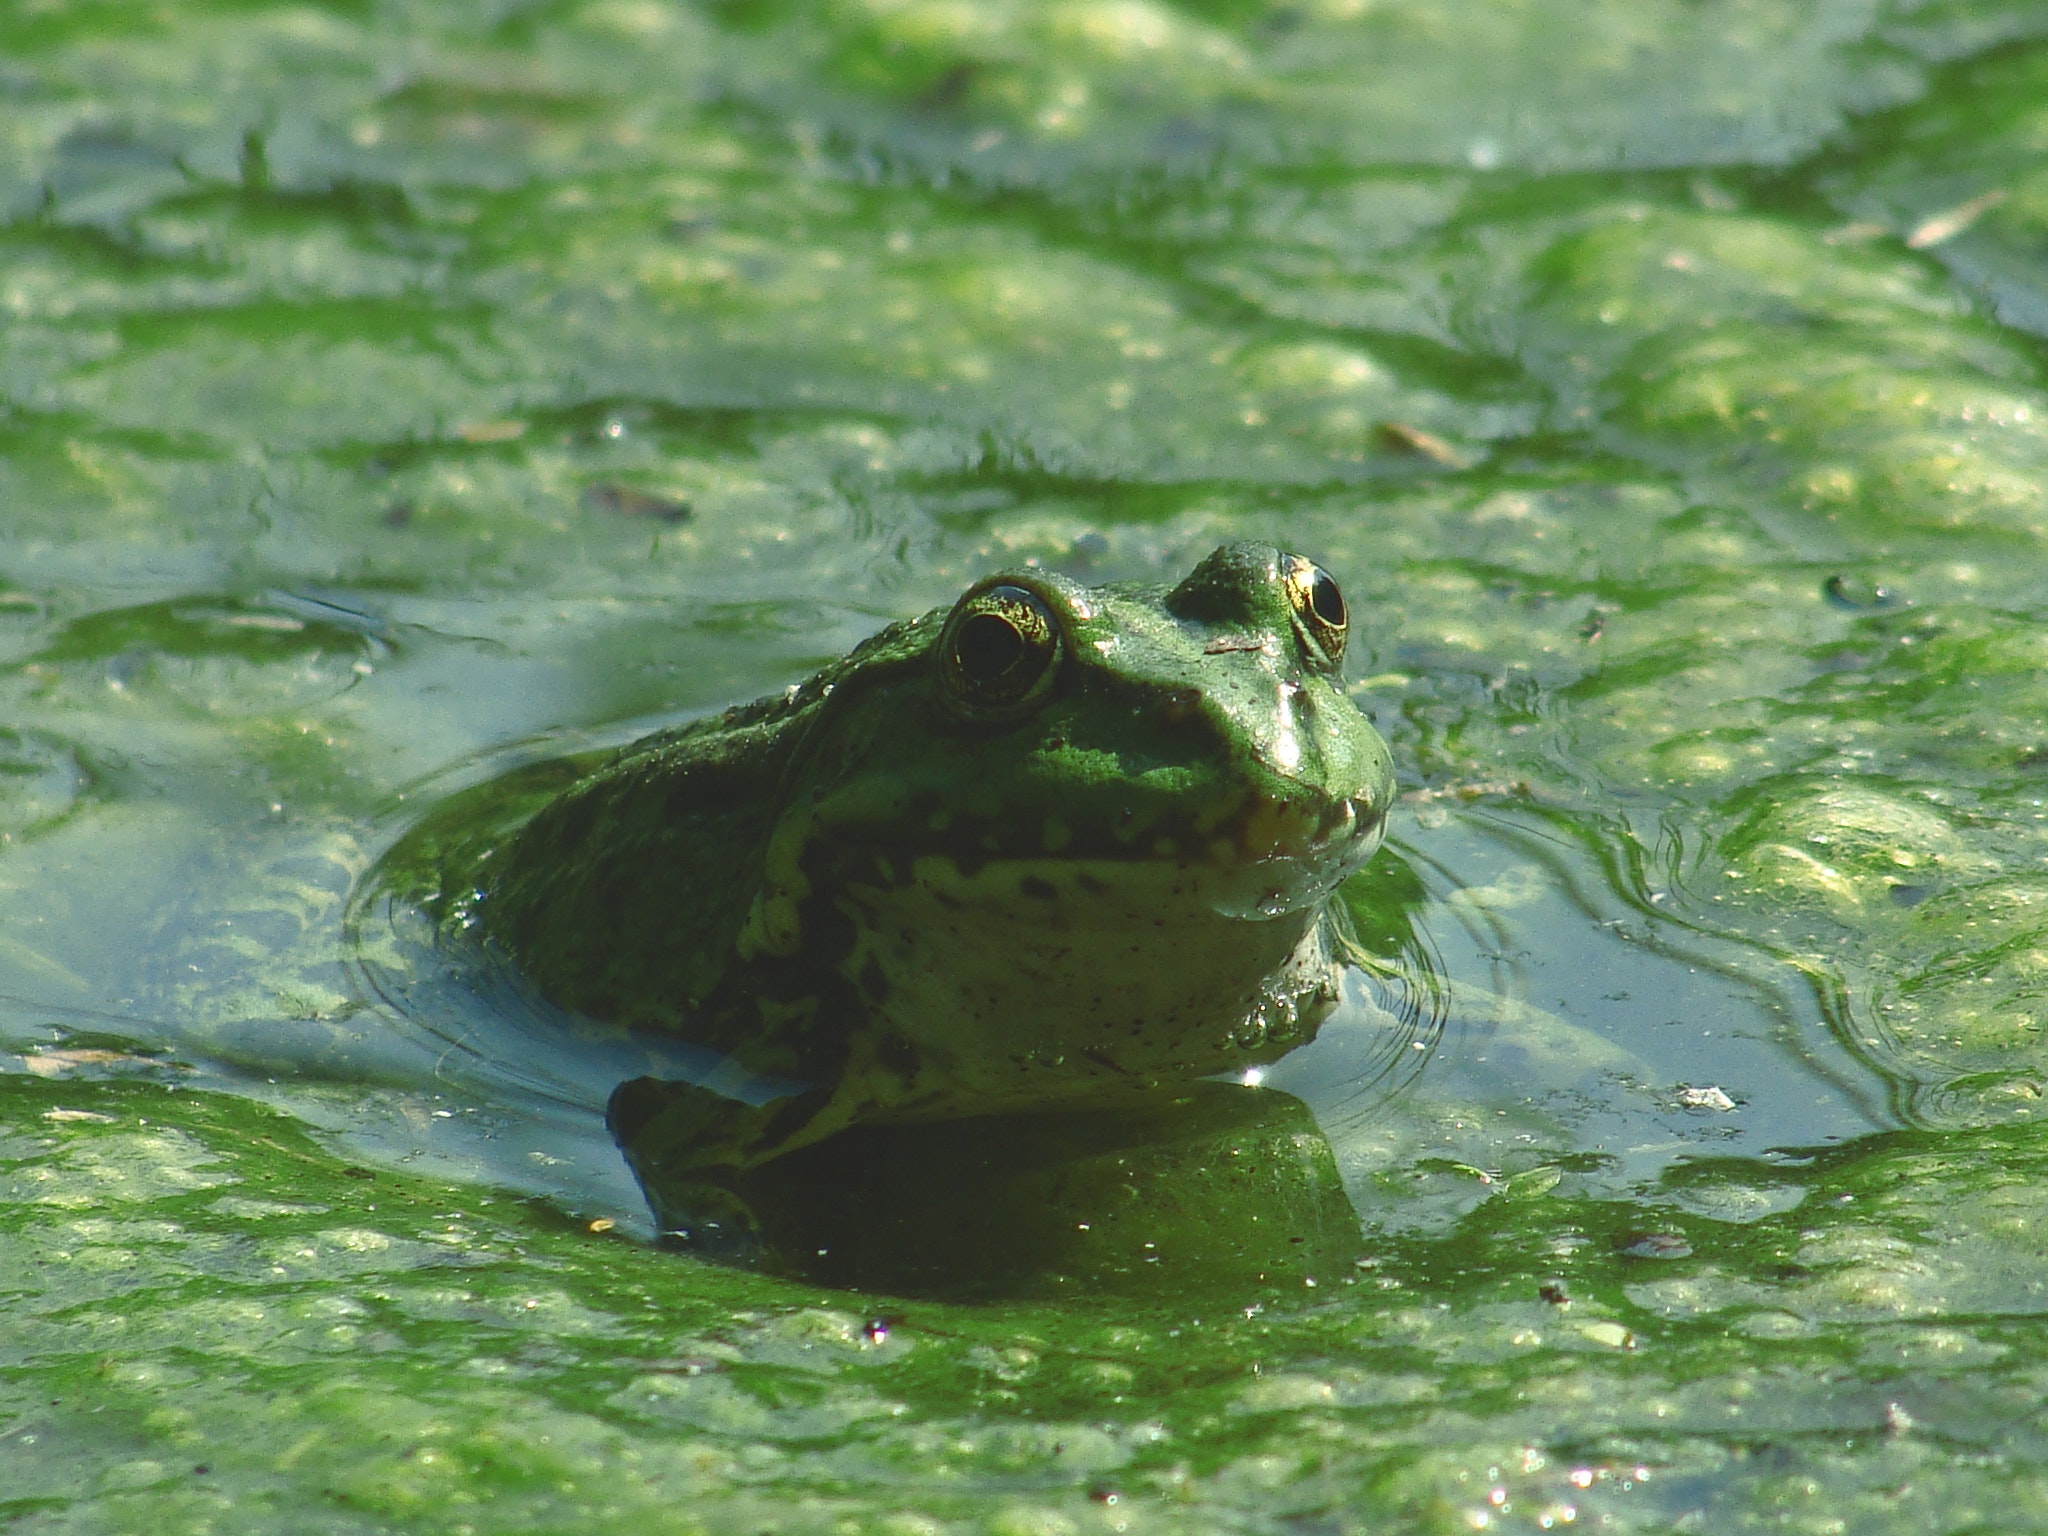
{"points": [[1933, 231], [1704, 1098], [1469, 790], [509, 431], [56, 1063], [1652, 1245], [626, 501], [1398, 437], [1857, 594]]}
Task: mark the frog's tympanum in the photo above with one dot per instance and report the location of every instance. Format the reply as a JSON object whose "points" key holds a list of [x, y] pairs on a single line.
{"points": [[1056, 848]]}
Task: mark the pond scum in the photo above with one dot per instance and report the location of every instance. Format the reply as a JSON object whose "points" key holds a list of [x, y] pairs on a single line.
{"points": [[395, 390]]}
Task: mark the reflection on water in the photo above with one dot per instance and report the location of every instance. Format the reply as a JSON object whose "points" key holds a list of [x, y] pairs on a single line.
{"points": [[1209, 1190]]}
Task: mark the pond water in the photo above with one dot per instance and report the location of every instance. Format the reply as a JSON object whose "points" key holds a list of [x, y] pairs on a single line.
{"points": [[392, 391]]}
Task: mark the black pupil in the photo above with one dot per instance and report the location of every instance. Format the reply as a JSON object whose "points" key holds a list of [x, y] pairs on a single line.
{"points": [[987, 646], [1326, 600]]}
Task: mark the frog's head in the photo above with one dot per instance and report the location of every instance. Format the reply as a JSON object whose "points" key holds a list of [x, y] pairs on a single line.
{"points": [[1205, 726], [1085, 821]]}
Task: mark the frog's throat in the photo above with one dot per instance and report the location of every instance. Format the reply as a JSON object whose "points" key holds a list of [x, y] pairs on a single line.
{"points": [[1037, 1028], [1131, 966]]}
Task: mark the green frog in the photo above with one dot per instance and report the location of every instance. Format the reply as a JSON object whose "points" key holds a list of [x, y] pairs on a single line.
{"points": [[1054, 848]]}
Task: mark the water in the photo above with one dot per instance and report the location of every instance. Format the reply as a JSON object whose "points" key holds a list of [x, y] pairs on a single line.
{"points": [[394, 393]]}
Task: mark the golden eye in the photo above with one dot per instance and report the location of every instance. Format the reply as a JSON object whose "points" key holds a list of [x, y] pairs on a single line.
{"points": [[1319, 609], [1000, 645]]}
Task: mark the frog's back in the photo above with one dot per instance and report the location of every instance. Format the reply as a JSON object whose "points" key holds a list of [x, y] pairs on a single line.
{"points": [[623, 897], [604, 937]]}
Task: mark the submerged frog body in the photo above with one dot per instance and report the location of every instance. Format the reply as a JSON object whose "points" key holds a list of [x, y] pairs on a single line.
{"points": [[1052, 848]]}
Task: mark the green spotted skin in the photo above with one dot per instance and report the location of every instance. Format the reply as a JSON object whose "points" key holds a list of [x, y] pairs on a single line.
{"points": [[1054, 846]]}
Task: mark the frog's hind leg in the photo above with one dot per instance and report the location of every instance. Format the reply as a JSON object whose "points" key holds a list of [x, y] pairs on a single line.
{"points": [[688, 1145]]}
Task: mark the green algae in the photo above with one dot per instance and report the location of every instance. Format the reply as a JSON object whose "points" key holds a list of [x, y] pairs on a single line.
{"points": [[392, 394], [216, 1320]]}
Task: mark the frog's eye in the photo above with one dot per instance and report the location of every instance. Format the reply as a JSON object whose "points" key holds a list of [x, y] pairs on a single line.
{"points": [[999, 646], [1319, 609]]}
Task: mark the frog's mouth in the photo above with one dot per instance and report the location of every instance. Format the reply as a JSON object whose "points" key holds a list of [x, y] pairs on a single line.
{"points": [[1282, 854], [1260, 852], [1261, 856], [1258, 855]]}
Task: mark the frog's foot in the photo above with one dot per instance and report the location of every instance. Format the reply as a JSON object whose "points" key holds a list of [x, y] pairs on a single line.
{"points": [[688, 1146]]}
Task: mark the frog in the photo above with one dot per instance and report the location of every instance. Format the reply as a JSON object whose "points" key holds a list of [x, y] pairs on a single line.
{"points": [[1052, 848]]}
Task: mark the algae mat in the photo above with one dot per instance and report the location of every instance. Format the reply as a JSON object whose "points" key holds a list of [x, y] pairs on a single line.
{"points": [[392, 391]]}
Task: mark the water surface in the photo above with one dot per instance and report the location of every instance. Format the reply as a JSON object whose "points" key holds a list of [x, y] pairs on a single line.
{"points": [[391, 393]]}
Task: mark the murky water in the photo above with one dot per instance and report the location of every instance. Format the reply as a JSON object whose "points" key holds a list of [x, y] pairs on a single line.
{"points": [[391, 394]]}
